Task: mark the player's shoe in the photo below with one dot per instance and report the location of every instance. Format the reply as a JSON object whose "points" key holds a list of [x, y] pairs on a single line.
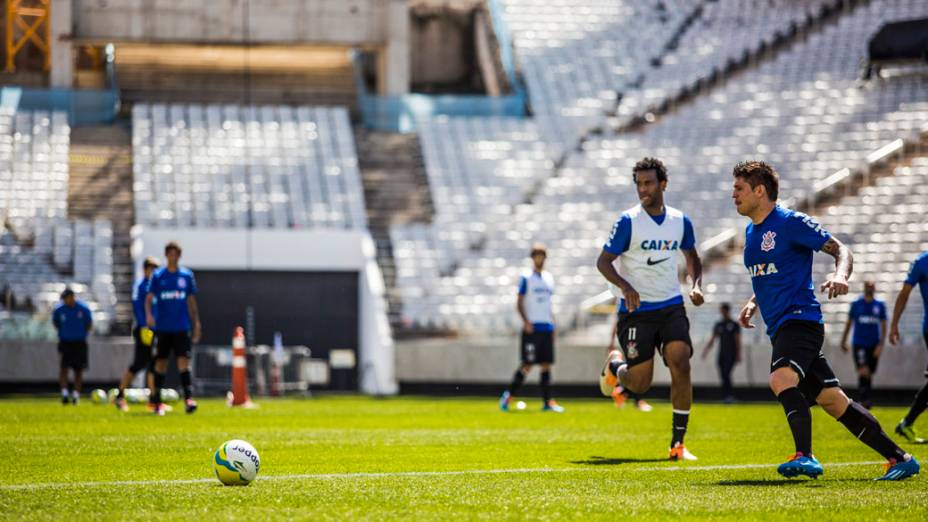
{"points": [[618, 396], [679, 452], [643, 405], [160, 409], [800, 464], [900, 470], [167, 407], [65, 400], [121, 404], [75, 398], [190, 405], [607, 379], [909, 433], [504, 401], [552, 407]]}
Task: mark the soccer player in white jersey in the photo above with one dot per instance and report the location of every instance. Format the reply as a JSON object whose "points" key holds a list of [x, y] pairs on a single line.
{"points": [[534, 306], [647, 240]]}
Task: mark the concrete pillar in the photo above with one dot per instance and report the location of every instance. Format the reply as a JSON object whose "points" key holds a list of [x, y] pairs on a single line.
{"points": [[62, 52], [393, 63]]}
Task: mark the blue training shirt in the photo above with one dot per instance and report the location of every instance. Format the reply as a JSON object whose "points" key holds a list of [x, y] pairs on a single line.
{"points": [[72, 321], [918, 275], [170, 290], [866, 318], [139, 291], [778, 255], [620, 240]]}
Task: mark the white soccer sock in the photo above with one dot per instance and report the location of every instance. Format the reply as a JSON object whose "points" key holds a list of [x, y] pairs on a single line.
{"points": [[64, 392], [75, 394]]}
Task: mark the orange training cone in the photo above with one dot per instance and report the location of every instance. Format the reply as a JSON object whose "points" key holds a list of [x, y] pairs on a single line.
{"points": [[239, 371]]}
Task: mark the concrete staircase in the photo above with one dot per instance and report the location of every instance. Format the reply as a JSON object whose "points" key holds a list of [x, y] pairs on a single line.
{"points": [[396, 191], [100, 187]]}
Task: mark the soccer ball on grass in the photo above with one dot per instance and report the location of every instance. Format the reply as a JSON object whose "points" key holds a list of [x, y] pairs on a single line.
{"points": [[236, 463]]}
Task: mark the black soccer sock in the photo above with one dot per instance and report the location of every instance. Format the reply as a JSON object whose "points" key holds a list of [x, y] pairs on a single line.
{"points": [[680, 419], [159, 383], [632, 395], [799, 418], [918, 405], [185, 382], [863, 388], [865, 427], [517, 379], [546, 386]]}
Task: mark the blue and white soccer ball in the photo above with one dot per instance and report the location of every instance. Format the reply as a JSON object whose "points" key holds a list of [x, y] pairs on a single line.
{"points": [[236, 463]]}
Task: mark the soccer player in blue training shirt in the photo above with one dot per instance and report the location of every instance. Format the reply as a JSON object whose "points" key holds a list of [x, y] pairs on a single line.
{"points": [[728, 333], [918, 275], [868, 315], [647, 240], [176, 311], [142, 359], [73, 320], [778, 249], [537, 342]]}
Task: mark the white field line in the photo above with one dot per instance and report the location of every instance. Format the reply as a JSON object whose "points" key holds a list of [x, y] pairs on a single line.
{"points": [[310, 476]]}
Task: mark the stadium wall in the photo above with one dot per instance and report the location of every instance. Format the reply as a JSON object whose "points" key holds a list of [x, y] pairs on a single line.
{"points": [[296, 251], [492, 360]]}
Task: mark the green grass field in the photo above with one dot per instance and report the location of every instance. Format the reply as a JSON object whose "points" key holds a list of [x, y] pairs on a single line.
{"points": [[436, 459]]}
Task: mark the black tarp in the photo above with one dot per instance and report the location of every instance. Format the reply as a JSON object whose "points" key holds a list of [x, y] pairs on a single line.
{"points": [[904, 40]]}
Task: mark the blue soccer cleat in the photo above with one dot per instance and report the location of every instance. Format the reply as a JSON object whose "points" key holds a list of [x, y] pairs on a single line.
{"points": [[504, 401], [801, 464], [901, 470], [552, 407]]}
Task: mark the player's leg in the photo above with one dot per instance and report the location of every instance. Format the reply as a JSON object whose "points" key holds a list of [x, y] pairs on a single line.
{"points": [[78, 385], [905, 426], [863, 425], [726, 365], [63, 382], [632, 366], [677, 357], [861, 361], [527, 357], [184, 350], [162, 351]]}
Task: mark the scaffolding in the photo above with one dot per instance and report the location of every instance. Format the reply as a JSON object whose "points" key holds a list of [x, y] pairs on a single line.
{"points": [[28, 21]]}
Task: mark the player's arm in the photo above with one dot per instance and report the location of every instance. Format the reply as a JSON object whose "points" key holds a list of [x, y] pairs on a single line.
{"points": [[527, 326], [607, 269], [844, 266], [847, 330], [879, 347], [694, 271], [149, 317], [88, 324], [901, 300], [747, 312], [708, 347], [56, 320], [194, 312]]}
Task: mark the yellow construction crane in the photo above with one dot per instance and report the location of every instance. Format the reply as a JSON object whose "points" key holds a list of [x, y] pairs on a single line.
{"points": [[28, 21]]}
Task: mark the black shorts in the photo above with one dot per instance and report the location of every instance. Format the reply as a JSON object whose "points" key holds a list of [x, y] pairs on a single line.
{"points": [[641, 333], [73, 354], [864, 357], [798, 345], [142, 359], [177, 343], [538, 348]]}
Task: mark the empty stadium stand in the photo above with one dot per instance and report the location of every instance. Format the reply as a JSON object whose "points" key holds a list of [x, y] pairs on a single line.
{"points": [[809, 118], [245, 166]]}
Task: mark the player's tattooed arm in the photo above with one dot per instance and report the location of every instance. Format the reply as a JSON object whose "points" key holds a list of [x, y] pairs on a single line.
{"points": [[844, 266], [694, 270], [606, 268], [194, 312]]}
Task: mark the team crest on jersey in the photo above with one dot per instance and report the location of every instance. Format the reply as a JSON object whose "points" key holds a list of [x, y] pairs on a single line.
{"points": [[768, 243], [632, 349], [181, 283]]}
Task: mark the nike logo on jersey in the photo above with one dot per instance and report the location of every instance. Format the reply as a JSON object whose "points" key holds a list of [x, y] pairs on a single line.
{"points": [[652, 262]]}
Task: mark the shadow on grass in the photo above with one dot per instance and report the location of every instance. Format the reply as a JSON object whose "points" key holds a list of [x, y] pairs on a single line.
{"points": [[596, 460], [769, 482]]}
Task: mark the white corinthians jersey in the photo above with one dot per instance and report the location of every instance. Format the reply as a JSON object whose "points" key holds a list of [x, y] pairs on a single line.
{"points": [[650, 263], [537, 289]]}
